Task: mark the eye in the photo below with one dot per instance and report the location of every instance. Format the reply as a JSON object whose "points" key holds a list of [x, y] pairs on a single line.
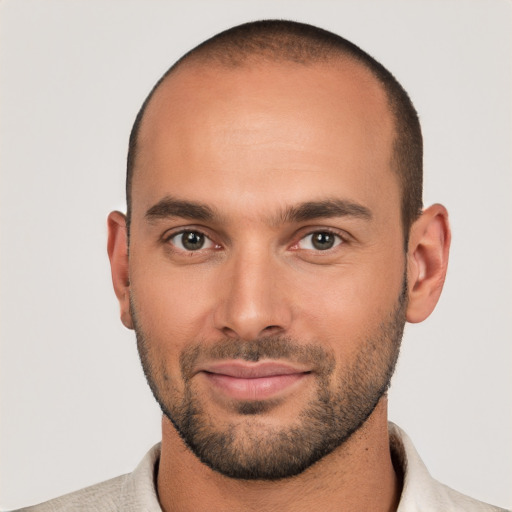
{"points": [[191, 241], [320, 241]]}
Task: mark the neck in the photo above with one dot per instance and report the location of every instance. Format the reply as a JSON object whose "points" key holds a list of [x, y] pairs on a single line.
{"points": [[357, 476]]}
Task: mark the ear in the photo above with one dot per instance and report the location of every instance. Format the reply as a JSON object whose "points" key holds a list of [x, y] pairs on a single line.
{"points": [[117, 248], [427, 261]]}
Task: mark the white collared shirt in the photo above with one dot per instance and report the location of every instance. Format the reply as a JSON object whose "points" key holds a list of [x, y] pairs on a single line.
{"points": [[136, 491]]}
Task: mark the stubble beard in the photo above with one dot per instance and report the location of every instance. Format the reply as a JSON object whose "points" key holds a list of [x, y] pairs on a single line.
{"points": [[251, 449]]}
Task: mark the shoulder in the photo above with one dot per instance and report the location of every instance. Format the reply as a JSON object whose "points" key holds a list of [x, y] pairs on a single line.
{"points": [[449, 499], [131, 492], [421, 492], [104, 496]]}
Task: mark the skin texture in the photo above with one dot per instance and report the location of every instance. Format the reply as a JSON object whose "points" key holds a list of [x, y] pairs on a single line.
{"points": [[253, 146]]}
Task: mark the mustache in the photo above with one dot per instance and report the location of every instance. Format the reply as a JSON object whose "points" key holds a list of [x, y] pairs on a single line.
{"points": [[271, 347]]}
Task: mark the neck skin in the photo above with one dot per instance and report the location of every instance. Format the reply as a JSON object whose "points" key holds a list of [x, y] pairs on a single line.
{"points": [[358, 475]]}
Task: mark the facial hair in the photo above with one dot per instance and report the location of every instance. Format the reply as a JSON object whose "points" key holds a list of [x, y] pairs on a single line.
{"points": [[253, 450]]}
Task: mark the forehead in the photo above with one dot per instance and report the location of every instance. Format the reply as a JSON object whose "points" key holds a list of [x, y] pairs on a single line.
{"points": [[266, 129]]}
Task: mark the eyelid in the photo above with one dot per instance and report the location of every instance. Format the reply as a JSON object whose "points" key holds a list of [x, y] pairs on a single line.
{"points": [[299, 236], [177, 230], [343, 236], [168, 235]]}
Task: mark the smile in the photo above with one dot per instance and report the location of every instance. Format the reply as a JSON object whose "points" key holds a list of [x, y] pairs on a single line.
{"points": [[257, 381]]}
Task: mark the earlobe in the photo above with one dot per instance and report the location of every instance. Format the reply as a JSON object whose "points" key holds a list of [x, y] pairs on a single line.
{"points": [[117, 248], [427, 261]]}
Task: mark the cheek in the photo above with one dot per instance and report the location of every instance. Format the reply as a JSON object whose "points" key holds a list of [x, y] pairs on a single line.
{"points": [[348, 303], [172, 305]]}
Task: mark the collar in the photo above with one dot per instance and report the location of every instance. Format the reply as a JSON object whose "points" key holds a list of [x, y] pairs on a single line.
{"points": [[420, 491]]}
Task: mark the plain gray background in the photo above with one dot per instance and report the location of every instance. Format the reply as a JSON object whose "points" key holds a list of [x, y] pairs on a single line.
{"points": [[75, 408]]}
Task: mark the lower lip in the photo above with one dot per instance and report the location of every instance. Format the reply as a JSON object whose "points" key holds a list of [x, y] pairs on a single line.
{"points": [[259, 388]]}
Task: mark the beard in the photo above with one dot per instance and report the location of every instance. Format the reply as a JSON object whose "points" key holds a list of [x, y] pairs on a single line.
{"points": [[252, 449]]}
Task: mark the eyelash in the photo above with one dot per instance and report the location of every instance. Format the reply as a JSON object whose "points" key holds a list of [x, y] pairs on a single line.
{"points": [[168, 239], [339, 239]]}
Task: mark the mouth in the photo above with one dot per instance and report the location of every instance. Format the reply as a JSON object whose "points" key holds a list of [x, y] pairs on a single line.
{"points": [[241, 380]]}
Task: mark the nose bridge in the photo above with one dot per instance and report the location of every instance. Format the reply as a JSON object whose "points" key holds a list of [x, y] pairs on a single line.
{"points": [[252, 304]]}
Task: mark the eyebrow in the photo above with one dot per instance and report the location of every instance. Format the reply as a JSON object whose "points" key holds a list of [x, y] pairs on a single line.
{"points": [[170, 207], [311, 210]]}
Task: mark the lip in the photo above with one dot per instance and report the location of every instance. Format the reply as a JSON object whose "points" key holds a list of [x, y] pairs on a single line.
{"points": [[241, 380]]}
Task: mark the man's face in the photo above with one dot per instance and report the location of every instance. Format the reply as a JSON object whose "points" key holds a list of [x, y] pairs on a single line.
{"points": [[266, 260]]}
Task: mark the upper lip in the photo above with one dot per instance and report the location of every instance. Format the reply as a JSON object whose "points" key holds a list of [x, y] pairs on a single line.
{"points": [[249, 370]]}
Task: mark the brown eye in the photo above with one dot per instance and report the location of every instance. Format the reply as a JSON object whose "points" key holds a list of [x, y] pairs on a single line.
{"points": [[191, 241], [320, 241]]}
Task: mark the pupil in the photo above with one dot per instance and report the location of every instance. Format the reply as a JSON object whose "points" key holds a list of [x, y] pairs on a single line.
{"points": [[323, 241], [192, 240]]}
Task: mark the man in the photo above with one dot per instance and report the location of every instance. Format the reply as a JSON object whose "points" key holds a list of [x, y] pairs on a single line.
{"points": [[273, 248]]}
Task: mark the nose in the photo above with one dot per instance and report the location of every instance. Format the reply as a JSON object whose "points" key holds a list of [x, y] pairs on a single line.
{"points": [[253, 301]]}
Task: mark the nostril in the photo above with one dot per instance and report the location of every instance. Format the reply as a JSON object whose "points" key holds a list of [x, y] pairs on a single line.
{"points": [[230, 333], [271, 328]]}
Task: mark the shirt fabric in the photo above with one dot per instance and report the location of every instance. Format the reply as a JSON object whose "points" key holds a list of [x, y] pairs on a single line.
{"points": [[136, 492]]}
